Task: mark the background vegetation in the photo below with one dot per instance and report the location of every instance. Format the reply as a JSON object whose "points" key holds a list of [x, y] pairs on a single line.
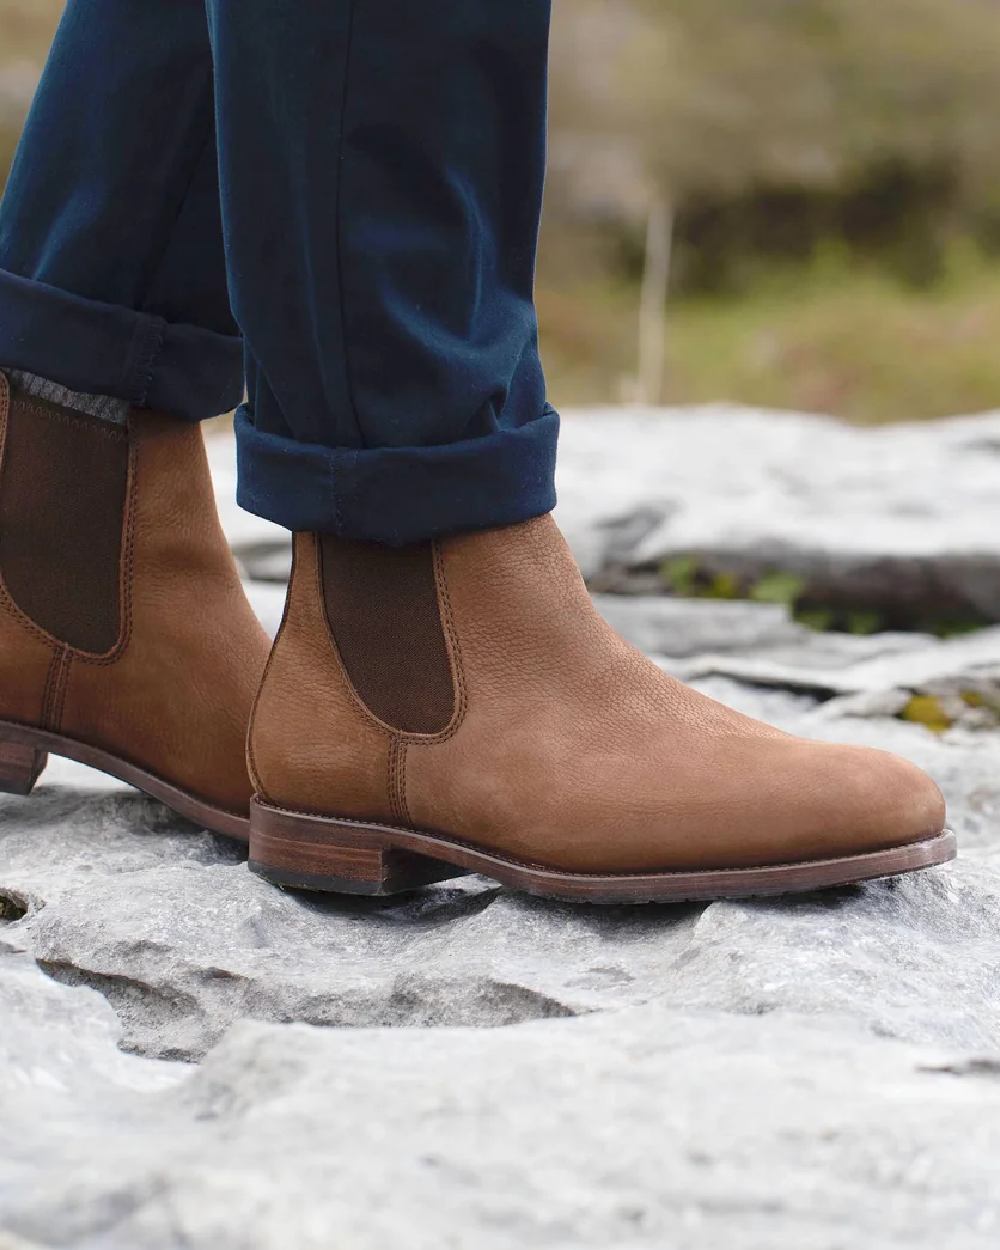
{"points": [[801, 197]]}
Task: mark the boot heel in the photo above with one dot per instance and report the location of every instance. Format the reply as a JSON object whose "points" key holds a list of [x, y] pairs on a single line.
{"points": [[20, 767], [320, 853]]}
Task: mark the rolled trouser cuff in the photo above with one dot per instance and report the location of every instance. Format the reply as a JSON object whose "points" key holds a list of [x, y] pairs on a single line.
{"points": [[399, 495], [105, 349]]}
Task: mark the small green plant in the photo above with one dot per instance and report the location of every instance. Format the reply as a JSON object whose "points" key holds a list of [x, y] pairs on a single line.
{"points": [[778, 587], [723, 586], [989, 703], [864, 622], [686, 576], [689, 575], [820, 619], [926, 710], [680, 575]]}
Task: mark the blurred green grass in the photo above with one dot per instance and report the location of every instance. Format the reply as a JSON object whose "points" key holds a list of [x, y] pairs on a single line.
{"points": [[828, 337]]}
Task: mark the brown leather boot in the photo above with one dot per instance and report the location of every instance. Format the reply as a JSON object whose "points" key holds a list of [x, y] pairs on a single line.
{"points": [[126, 641], [460, 706]]}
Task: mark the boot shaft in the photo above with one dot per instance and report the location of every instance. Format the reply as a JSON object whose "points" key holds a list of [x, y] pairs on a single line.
{"points": [[124, 626], [390, 660]]}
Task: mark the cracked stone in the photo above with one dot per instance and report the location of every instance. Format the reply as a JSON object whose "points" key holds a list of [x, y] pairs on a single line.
{"points": [[642, 1128]]}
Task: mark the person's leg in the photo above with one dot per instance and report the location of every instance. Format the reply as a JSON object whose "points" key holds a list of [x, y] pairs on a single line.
{"points": [[382, 166], [442, 683], [112, 273], [125, 638]]}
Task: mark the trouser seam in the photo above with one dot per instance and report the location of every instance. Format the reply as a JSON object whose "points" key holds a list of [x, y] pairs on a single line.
{"points": [[339, 215], [338, 520], [156, 332], [197, 150], [155, 348], [147, 344]]}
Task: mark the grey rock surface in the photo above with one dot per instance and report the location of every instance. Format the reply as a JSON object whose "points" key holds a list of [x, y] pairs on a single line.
{"points": [[699, 627], [875, 677], [192, 1060], [647, 1127], [902, 518], [842, 664]]}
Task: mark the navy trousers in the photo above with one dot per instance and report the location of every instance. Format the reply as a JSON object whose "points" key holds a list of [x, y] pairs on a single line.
{"points": [[327, 207]]}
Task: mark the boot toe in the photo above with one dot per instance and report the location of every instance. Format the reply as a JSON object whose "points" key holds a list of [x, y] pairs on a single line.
{"points": [[853, 800], [805, 800], [902, 803]]}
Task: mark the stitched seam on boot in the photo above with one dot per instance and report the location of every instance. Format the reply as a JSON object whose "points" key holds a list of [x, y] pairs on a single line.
{"points": [[55, 690], [50, 681], [106, 429], [454, 651], [63, 688], [397, 780], [404, 807], [393, 763]]}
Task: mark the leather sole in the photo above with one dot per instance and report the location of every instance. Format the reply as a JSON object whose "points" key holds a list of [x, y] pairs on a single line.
{"points": [[312, 852], [24, 752]]}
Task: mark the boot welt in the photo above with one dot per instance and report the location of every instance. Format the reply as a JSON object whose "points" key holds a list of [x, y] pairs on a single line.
{"points": [[24, 751], [305, 851]]}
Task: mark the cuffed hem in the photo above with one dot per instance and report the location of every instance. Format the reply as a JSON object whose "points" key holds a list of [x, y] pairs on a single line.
{"points": [[104, 349], [399, 495]]}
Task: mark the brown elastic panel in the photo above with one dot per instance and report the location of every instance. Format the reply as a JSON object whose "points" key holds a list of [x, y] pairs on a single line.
{"points": [[62, 501], [383, 611]]}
